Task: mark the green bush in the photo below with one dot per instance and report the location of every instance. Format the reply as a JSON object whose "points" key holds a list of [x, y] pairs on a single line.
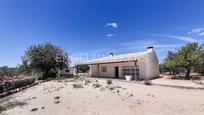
{"points": [[2, 108], [147, 82], [109, 82], [77, 86]]}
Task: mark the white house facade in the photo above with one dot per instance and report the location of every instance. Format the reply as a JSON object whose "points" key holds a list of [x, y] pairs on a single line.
{"points": [[140, 65], [68, 71]]}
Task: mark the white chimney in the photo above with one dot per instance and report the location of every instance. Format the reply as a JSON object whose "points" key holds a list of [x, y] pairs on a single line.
{"points": [[110, 54], [150, 49]]}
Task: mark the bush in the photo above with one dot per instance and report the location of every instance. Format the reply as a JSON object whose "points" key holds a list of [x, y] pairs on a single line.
{"points": [[96, 85], [52, 73], [109, 82], [87, 81], [147, 82], [2, 108], [77, 86], [15, 103]]}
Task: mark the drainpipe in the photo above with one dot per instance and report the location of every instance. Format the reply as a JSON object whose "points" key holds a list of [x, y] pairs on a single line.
{"points": [[136, 77], [98, 70]]}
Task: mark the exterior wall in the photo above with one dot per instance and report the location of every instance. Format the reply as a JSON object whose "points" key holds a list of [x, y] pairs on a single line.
{"points": [[111, 69], [93, 70], [152, 65], [71, 71], [148, 67]]}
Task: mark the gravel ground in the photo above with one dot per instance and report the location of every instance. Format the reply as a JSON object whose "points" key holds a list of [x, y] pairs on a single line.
{"points": [[90, 96]]}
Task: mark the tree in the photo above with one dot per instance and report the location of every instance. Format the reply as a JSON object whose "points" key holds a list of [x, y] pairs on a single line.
{"points": [[24, 68], [169, 63], [5, 70], [200, 67], [188, 57], [43, 57]]}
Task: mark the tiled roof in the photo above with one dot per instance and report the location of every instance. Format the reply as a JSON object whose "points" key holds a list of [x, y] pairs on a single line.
{"points": [[116, 58]]}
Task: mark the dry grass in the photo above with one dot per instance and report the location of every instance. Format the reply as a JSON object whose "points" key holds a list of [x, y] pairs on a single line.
{"points": [[77, 85]]}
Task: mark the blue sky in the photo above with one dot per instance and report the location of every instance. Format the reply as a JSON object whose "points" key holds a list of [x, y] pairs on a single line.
{"points": [[97, 27]]}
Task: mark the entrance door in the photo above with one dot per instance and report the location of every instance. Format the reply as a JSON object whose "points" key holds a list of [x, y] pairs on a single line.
{"points": [[116, 72]]}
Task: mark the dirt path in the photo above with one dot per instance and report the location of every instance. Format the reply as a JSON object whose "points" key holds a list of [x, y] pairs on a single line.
{"points": [[118, 98]]}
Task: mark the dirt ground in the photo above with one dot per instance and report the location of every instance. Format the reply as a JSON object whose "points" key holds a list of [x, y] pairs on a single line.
{"points": [[92, 96]]}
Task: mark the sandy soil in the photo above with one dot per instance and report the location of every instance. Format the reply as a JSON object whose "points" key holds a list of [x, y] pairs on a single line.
{"points": [[118, 98]]}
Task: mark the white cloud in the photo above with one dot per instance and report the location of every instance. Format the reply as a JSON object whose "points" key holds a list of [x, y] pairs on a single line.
{"points": [[110, 35], [183, 38], [138, 43], [197, 31], [112, 24], [148, 42]]}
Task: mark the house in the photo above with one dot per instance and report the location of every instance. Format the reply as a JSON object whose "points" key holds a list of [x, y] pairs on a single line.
{"points": [[68, 71], [141, 65]]}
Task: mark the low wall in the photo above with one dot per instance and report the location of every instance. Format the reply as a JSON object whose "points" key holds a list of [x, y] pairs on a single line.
{"points": [[14, 84]]}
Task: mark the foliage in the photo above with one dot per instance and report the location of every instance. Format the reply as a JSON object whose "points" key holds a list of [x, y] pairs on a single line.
{"points": [[11, 104], [147, 82], [187, 57], [2, 108], [77, 85], [6, 71], [200, 67], [83, 68], [109, 82], [24, 68], [169, 63], [42, 57]]}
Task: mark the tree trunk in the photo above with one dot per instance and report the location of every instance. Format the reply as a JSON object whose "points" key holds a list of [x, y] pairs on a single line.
{"points": [[187, 76], [45, 74], [169, 71]]}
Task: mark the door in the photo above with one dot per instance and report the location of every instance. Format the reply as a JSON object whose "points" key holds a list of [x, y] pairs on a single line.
{"points": [[116, 72]]}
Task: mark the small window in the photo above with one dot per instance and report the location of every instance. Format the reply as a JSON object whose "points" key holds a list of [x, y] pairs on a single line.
{"points": [[103, 69], [67, 70]]}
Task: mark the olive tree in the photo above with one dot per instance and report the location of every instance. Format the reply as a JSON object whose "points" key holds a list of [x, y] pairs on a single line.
{"points": [[43, 57], [188, 57], [169, 63]]}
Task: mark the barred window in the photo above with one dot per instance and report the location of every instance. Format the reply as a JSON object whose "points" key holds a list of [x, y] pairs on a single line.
{"points": [[103, 69], [128, 70]]}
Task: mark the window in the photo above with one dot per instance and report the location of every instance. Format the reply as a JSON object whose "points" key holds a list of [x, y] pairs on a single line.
{"points": [[103, 69], [67, 70], [128, 70]]}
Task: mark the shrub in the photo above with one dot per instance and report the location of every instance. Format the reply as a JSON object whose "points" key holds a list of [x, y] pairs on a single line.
{"points": [[77, 86], [2, 108], [34, 109], [87, 81], [96, 85], [109, 82], [57, 97], [112, 88], [15, 103], [147, 82]]}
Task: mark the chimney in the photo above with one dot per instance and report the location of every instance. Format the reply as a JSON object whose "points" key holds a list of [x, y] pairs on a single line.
{"points": [[110, 54], [150, 49]]}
